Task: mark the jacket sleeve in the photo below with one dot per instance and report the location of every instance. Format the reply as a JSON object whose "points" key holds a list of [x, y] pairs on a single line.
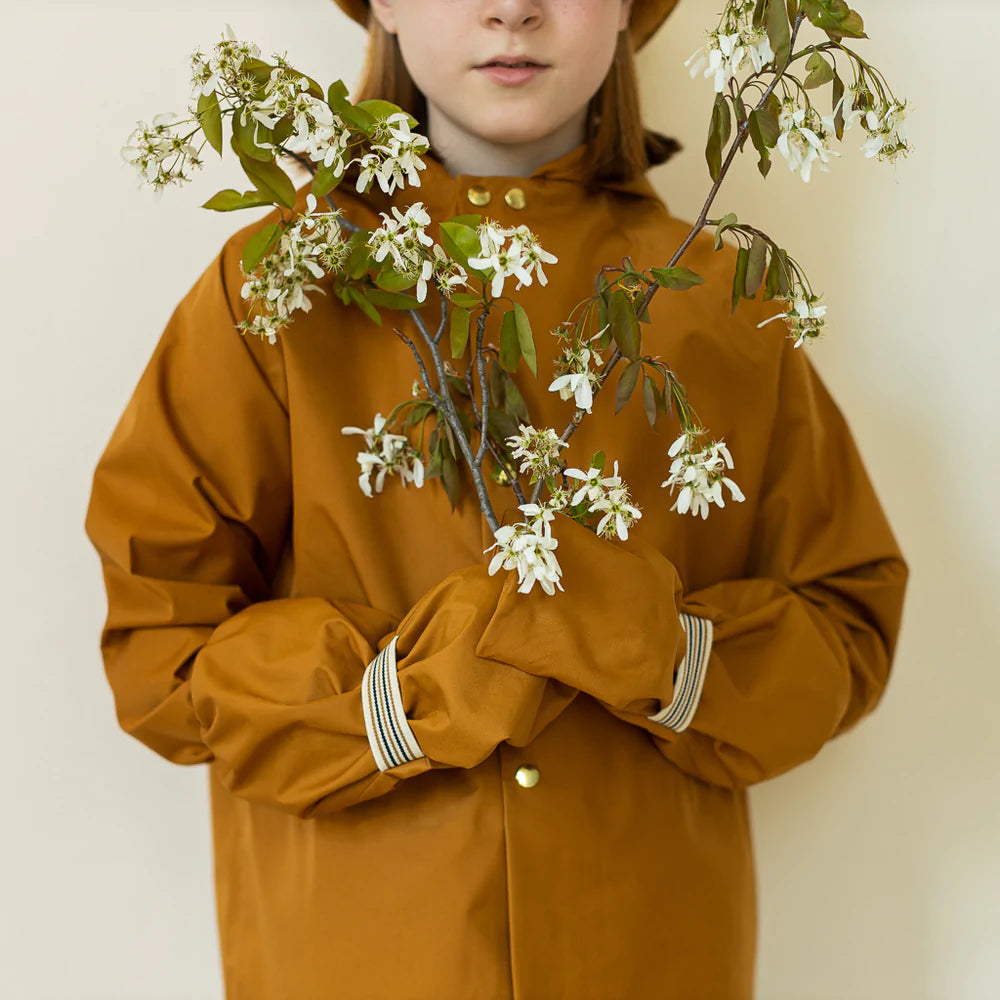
{"points": [[306, 704], [782, 661]]}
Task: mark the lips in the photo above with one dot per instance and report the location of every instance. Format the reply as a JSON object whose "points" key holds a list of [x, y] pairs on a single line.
{"points": [[511, 76], [511, 65], [508, 60]]}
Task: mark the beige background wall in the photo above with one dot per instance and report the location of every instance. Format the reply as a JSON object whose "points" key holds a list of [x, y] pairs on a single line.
{"points": [[878, 861]]}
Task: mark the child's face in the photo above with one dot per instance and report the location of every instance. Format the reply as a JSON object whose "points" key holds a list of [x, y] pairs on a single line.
{"points": [[443, 41]]}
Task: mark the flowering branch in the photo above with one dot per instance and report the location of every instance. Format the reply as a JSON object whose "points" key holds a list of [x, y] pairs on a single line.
{"points": [[277, 111]]}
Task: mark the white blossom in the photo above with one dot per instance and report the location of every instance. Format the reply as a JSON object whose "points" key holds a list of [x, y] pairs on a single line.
{"points": [[388, 454], [223, 67], [576, 378], [537, 449], [805, 317], [448, 273], [700, 474], [150, 147], [529, 547], [595, 485], [803, 137], [518, 258], [393, 159], [402, 237], [886, 127], [405, 241], [730, 45], [619, 514], [306, 250], [887, 138]]}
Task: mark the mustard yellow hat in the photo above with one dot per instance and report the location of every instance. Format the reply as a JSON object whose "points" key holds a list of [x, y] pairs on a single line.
{"points": [[647, 16]]}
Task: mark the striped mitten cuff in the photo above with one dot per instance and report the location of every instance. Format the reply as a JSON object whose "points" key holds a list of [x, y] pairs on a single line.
{"points": [[690, 675], [389, 734]]}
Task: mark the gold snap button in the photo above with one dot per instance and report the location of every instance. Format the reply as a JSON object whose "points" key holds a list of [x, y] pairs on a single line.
{"points": [[478, 195], [526, 776], [515, 198]]}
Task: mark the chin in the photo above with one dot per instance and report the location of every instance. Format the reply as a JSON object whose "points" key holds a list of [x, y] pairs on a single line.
{"points": [[514, 132]]}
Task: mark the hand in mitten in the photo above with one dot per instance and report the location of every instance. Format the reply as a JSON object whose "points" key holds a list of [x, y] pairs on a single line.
{"points": [[613, 631], [461, 705]]}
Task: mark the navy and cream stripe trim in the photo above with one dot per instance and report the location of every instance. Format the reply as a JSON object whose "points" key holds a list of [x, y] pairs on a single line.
{"points": [[389, 734], [690, 674]]}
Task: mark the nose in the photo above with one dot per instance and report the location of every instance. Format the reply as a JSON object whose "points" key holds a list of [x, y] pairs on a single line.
{"points": [[513, 13]]}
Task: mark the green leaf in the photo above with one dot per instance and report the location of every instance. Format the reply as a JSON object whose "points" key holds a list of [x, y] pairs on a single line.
{"points": [[678, 279], [602, 322], [392, 281], [724, 223], [741, 112], [269, 179], [820, 71], [767, 125], [433, 466], [597, 462], [470, 219], [358, 255], [771, 279], [756, 265], [460, 241], [626, 384], [514, 401], [719, 130], [325, 180], [357, 117], [649, 398], [779, 273], [740, 277], [758, 13], [382, 109], [336, 95], [258, 245], [282, 129], [643, 317], [450, 479], [459, 331], [465, 300], [837, 105], [525, 339], [392, 300], [835, 18], [210, 119], [357, 297], [510, 347], [624, 325], [497, 379], [230, 200], [779, 33], [243, 141], [500, 425], [760, 144], [419, 411], [463, 419]]}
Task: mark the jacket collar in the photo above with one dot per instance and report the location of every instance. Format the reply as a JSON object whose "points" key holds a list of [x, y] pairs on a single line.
{"points": [[554, 186], [569, 169]]}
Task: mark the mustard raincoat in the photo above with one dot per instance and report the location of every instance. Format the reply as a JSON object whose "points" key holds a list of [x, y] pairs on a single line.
{"points": [[425, 785]]}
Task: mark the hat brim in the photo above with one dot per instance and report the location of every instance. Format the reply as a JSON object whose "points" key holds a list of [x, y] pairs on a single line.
{"points": [[647, 16]]}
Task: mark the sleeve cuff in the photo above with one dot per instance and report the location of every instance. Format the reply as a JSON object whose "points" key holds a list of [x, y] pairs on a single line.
{"points": [[690, 675], [389, 734]]}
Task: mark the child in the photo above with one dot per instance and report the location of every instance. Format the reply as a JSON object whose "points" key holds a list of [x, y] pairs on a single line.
{"points": [[424, 784]]}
